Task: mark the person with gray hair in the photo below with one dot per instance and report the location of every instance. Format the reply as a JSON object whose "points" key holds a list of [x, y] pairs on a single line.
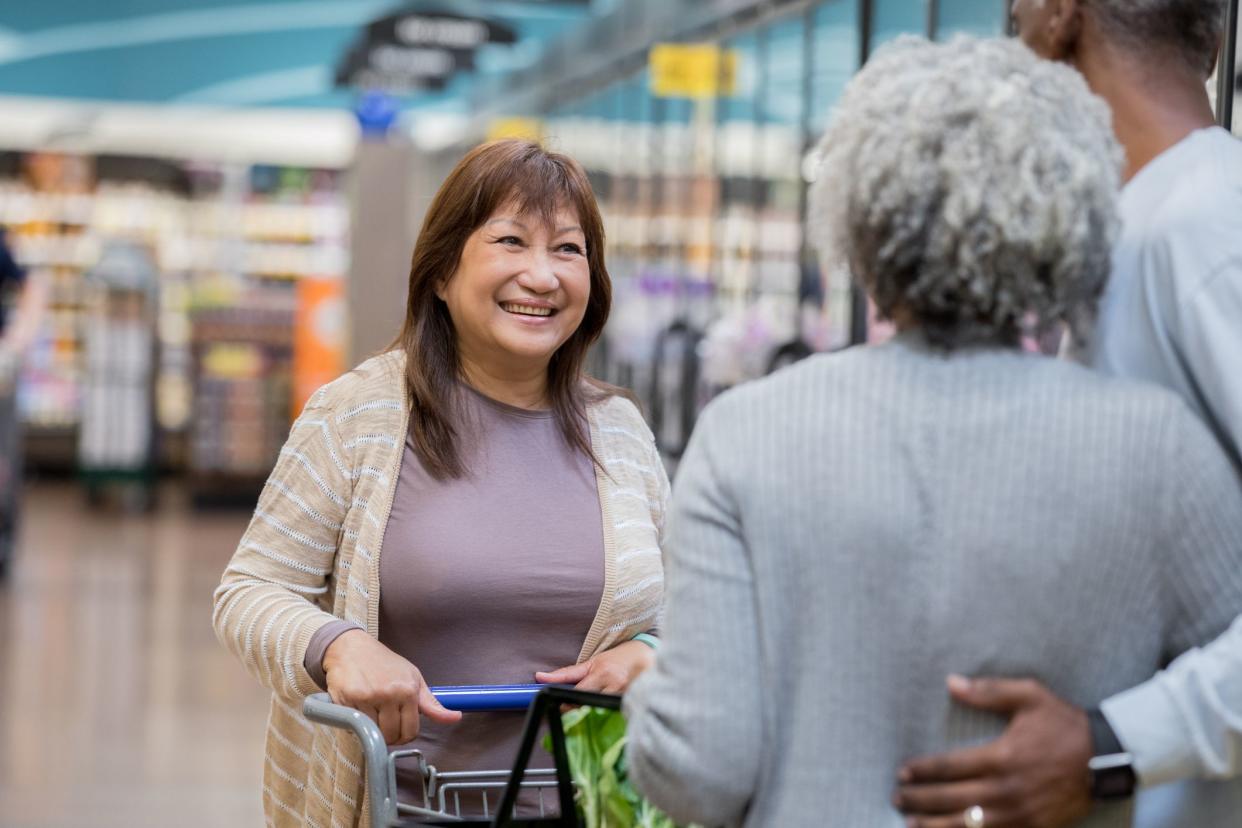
{"points": [[849, 531], [1172, 315]]}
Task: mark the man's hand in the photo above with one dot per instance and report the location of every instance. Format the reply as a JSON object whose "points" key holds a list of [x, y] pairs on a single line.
{"points": [[1033, 776], [609, 672]]}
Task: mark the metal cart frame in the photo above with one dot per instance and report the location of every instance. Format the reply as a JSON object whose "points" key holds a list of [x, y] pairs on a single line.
{"points": [[380, 764]]}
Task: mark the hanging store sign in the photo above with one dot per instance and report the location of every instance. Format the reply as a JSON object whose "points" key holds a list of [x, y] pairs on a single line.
{"points": [[439, 30], [397, 69], [417, 50], [692, 70]]}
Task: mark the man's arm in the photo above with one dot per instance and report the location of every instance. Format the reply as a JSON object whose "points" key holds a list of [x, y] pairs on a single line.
{"points": [[1187, 721]]}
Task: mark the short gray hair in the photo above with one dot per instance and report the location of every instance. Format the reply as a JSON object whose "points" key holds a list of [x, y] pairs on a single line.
{"points": [[972, 185], [1189, 29]]}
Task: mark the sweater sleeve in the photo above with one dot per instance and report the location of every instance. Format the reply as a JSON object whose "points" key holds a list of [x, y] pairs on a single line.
{"points": [[270, 601], [1186, 722], [695, 723]]}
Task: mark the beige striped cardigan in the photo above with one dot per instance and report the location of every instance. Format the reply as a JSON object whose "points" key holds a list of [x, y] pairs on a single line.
{"points": [[311, 554]]}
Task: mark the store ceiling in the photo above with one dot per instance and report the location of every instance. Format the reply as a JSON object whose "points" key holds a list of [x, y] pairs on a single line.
{"points": [[244, 53]]}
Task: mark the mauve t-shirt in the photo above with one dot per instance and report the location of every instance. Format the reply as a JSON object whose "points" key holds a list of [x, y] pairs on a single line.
{"points": [[488, 578]]}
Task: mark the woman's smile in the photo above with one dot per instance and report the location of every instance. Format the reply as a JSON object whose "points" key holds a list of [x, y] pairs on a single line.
{"points": [[519, 291], [532, 311]]}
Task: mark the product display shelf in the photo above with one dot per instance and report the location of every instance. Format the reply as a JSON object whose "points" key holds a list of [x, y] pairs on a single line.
{"points": [[279, 226], [49, 235], [242, 363], [252, 254]]}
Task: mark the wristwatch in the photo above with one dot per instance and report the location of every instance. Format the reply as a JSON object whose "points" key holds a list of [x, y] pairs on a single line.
{"points": [[1111, 769]]}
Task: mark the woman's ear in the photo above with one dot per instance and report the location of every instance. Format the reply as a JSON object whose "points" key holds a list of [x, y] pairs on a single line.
{"points": [[1064, 27]]}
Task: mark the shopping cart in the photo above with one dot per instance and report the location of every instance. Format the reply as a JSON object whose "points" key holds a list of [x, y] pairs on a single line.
{"points": [[442, 792]]}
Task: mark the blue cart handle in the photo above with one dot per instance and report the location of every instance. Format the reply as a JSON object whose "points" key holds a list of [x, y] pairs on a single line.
{"points": [[474, 699]]}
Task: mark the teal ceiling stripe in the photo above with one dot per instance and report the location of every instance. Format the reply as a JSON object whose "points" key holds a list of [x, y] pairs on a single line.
{"points": [[188, 25], [242, 53], [263, 88]]}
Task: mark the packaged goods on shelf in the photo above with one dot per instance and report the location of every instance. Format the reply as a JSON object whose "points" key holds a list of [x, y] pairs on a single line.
{"points": [[243, 352], [260, 226]]}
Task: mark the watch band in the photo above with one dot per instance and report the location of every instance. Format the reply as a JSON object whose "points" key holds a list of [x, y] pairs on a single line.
{"points": [[1112, 777], [1111, 768]]}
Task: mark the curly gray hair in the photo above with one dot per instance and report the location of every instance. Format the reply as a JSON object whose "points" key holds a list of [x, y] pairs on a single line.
{"points": [[972, 186]]}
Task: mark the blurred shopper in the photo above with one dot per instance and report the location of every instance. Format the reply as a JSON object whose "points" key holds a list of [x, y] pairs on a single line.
{"points": [[846, 533], [16, 336], [435, 517], [1172, 315]]}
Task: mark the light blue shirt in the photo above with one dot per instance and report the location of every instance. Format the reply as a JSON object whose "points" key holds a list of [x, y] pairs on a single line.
{"points": [[1173, 315]]}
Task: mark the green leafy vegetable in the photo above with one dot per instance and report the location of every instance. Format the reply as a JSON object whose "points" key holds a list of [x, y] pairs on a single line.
{"points": [[595, 744]]}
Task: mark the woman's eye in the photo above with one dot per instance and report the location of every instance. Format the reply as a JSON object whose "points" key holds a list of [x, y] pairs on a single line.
{"points": [[509, 240], [570, 247]]}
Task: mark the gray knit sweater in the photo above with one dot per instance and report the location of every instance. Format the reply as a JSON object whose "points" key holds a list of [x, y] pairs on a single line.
{"points": [[849, 531]]}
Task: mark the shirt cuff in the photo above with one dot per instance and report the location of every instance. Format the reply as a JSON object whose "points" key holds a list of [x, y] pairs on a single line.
{"points": [[319, 643], [1154, 732]]}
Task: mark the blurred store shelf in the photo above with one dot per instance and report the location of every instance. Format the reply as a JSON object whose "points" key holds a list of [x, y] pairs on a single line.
{"points": [[225, 238]]}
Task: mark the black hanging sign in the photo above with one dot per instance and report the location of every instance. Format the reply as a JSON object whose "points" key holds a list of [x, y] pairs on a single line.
{"points": [[396, 69], [443, 30], [417, 50]]}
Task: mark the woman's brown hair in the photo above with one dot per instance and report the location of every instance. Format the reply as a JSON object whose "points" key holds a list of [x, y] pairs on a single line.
{"points": [[536, 182]]}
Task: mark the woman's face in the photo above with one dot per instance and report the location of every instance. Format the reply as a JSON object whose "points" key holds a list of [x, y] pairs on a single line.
{"points": [[519, 292]]}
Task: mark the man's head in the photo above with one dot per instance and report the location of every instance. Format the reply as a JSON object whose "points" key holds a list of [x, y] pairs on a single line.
{"points": [[1189, 31]]}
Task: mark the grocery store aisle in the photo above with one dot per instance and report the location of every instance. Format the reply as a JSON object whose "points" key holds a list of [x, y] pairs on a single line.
{"points": [[117, 706]]}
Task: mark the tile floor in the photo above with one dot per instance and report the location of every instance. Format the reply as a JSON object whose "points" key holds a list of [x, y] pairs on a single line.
{"points": [[117, 705]]}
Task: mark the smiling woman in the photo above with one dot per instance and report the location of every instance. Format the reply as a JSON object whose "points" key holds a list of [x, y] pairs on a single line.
{"points": [[468, 502], [520, 291], [512, 223]]}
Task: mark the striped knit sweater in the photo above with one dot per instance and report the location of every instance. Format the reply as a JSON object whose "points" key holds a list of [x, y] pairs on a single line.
{"points": [[311, 555]]}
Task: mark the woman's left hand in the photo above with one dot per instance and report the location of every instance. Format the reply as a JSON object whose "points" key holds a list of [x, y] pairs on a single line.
{"points": [[609, 672]]}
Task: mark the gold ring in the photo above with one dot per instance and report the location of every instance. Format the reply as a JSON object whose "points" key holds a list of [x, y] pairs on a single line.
{"points": [[973, 817]]}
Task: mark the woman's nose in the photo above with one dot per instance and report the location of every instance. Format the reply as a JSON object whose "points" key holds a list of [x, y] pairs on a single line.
{"points": [[539, 275]]}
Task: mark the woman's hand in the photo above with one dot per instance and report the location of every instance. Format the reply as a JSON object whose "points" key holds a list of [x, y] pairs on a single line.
{"points": [[367, 676], [609, 672]]}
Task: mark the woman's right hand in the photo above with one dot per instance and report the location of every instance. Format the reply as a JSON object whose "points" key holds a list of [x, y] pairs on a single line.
{"points": [[367, 676]]}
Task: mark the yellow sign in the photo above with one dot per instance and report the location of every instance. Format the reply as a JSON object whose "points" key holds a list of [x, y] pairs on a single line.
{"points": [[529, 128], [692, 70], [233, 360]]}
